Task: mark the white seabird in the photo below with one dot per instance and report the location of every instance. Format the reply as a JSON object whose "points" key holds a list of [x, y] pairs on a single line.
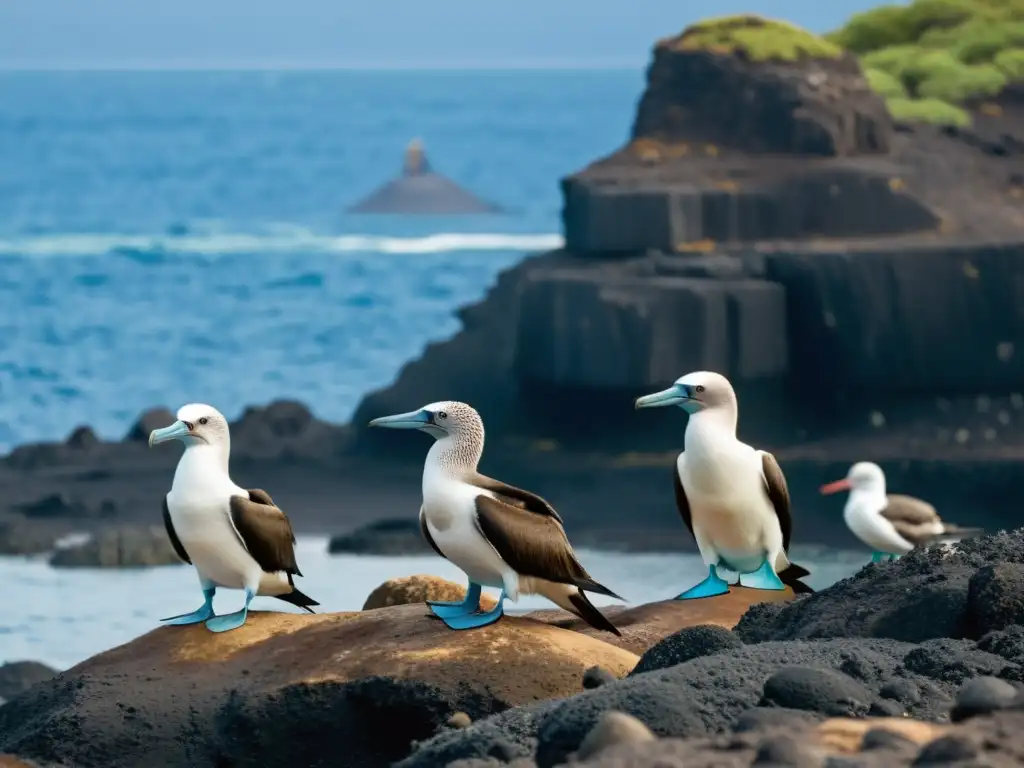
{"points": [[235, 538], [499, 535], [732, 497], [891, 524]]}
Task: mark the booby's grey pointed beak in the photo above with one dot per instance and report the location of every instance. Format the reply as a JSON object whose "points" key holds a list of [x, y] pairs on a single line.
{"points": [[674, 395], [411, 420], [176, 431]]}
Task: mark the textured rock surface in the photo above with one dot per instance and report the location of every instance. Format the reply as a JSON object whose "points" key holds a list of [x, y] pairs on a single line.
{"points": [[809, 106], [410, 590]]}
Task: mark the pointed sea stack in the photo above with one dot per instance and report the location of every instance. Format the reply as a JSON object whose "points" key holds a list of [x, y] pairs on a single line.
{"points": [[419, 190]]}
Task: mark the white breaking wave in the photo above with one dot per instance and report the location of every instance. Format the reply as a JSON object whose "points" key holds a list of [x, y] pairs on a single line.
{"points": [[222, 244]]}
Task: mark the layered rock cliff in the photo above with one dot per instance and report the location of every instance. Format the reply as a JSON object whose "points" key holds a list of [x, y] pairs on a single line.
{"points": [[859, 279]]}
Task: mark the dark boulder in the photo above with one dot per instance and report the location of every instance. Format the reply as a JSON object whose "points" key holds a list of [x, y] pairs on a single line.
{"points": [[125, 547], [982, 696], [817, 690], [400, 536], [996, 598], [154, 418], [687, 644], [16, 677]]}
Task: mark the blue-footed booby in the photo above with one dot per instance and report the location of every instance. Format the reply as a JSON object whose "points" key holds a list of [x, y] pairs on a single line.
{"points": [[891, 525], [235, 538], [732, 497], [499, 535]]}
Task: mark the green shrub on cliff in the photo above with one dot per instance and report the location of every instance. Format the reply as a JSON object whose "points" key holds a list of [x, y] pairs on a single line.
{"points": [[886, 85], [952, 51], [756, 38], [1011, 63], [928, 111]]}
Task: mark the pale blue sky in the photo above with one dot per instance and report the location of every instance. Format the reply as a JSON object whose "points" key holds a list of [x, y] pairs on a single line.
{"points": [[362, 33]]}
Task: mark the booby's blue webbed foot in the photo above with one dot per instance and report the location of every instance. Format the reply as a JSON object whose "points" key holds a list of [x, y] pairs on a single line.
{"points": [[478, 619], [471, 604], [711, 586], [200, 614], [231, 620], [764, 577]]}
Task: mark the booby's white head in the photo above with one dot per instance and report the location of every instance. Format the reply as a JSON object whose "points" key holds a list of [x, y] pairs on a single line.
{"points": [[197, 424], [695, 392], [863, 476]]}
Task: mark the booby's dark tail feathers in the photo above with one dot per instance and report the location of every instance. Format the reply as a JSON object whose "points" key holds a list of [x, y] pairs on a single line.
{"points": [[587, 611], [598, 589], [791, 578], [299, 600], [956, 532]]}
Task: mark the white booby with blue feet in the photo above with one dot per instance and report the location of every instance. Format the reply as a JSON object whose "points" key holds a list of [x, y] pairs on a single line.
{"points": [[235, 538], [732, 497], [499, 535], [891, 524]]}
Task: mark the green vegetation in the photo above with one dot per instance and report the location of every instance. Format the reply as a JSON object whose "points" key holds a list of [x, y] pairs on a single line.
{"points": [[930, 58], [757, 38]]}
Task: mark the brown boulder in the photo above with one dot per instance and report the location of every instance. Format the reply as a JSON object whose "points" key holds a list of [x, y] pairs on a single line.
{"points": [[410, 590], [289, 688]]}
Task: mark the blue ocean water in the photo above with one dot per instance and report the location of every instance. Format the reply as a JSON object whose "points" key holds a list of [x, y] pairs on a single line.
{"points": [[168, 237]]}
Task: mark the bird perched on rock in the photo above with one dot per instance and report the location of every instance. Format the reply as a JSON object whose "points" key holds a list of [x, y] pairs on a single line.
{"points": [[235, 538], [501, 536], [732, 497], [891, 524]]}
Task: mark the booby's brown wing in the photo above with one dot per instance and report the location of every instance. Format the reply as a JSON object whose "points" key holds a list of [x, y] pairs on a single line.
{"points": [[778, 494], [265, 532], [261, 497], [533, 544], [426, 534], [173, 536], [682, 503], [515, 497], [915, 520]]}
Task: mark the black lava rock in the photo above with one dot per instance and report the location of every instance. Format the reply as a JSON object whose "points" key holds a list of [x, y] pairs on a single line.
{"points": [[901, 690], [981, 696], [818, 690], [996, 598], [953, 661], [921, 596], [686, 644], [947, 749], [596, 676]]}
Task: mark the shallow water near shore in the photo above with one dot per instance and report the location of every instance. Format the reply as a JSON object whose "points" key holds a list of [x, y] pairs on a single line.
{"points": [[63, 616]]}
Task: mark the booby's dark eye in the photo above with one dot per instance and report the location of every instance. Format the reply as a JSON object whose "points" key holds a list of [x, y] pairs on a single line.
{"points": [[442, 415], [203, 420], [699, 388]]}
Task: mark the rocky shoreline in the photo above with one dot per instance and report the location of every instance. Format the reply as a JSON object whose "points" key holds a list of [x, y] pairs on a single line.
{"points": [[915, 662]]}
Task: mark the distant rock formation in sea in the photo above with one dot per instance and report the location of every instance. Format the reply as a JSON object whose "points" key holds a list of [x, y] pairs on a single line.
{"points": [[421, 190]]}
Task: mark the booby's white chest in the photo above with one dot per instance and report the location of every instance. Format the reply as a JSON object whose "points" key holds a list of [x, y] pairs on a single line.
{"points": [[731, 513], [199, 505], [863, 516], [449, 508]]}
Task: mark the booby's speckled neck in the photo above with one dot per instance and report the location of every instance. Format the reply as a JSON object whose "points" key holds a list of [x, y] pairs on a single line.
{"points": [[459, 453]]}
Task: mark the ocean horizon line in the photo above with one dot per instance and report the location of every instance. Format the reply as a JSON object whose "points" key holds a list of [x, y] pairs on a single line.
{"points": [[461, 67]]}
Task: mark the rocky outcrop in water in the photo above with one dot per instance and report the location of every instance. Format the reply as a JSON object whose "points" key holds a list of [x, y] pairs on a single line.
{"points": [[123, 547]]}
